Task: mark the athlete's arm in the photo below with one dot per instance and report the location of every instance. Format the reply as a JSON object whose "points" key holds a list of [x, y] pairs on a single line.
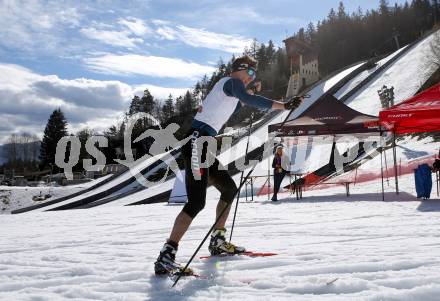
{"points": [[235, 88]]}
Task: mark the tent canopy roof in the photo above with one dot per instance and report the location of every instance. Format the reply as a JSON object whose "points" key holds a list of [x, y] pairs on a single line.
{"points": [[327, 116], [420, 113]]}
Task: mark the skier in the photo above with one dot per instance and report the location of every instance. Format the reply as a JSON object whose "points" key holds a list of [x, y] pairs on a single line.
{"points": [[226, 97]]}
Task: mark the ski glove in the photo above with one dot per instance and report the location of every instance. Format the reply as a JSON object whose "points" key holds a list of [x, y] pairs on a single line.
{"points": [[293, 103]]}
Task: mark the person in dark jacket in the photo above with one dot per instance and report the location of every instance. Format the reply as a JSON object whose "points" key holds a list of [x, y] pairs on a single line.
{"points": [[436, 164], [279, 171]]}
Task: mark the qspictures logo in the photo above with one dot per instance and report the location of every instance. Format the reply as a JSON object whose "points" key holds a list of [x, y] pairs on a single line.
{"points": [[166, 146]]}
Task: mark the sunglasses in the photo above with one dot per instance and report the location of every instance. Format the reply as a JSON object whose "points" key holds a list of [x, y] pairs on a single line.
{"points": [[252, 73]]}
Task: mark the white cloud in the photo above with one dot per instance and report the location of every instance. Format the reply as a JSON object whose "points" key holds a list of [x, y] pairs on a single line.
{"points": [[159, 92], [216, 14], [159, 22], [202, 38], [112, 37], [31, 25], [199, 37], [135, 25], [167, 33], [125, 33], [27, 99], [155, 66], [83, 92]]}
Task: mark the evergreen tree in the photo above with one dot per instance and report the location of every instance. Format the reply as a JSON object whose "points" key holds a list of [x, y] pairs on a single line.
{"points": [[144, 104], [187, 105], [148, 105], [114, 135], [311, 34], [301, 34], [168, 109], [270, 52], [179, 106], [262, 59], [252, 49], [83, 136], [56, 128], [135, 106], [436, 8]]}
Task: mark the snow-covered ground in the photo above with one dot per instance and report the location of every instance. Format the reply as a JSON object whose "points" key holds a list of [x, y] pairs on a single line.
{"points": [[376, 250], [13, 197], [406, 75]]}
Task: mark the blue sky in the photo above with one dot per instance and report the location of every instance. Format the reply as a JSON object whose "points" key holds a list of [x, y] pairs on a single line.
{"points": [[90, 58]]}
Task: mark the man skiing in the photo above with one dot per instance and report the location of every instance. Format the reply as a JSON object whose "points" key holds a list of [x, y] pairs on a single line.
{"points": [[228, 94]]}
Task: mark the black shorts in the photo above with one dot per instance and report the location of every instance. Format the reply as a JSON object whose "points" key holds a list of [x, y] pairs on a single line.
{"points": [[213, 175]]}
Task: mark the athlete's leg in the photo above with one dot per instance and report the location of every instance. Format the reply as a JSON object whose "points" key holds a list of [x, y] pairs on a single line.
{"points": [[181, 225], [226, 185], [196, 193]]}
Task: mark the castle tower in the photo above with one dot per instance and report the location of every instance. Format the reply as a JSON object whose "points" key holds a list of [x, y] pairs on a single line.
{"points": [[303, 61]]}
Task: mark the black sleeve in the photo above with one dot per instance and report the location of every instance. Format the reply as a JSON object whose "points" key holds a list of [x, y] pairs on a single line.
{"points": [[274, 162], [235, 88]]}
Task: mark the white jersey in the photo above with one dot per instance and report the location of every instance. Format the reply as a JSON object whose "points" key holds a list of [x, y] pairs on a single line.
{"points": [[217, 106]]}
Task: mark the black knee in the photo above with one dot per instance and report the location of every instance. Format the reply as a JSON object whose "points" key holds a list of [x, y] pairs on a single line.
{"points": [[228, 193], [192, 209]]}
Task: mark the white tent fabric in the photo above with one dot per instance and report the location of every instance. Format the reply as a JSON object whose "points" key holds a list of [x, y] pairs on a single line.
{"points": [[178, 194]]}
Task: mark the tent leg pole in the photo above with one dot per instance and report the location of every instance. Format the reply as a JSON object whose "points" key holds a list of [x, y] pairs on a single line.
{"points": [[436, 174], [386, 166], [395, 163], [268, 178], [381, 172]]}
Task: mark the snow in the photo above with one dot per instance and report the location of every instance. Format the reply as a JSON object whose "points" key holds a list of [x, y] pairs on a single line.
{"points": [[406, 75], [376, 250], [22, 196], [143, 194], [363, 75], [120, 179]]}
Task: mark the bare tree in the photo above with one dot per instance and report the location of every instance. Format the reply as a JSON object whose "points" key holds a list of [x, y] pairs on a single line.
{"points": [[11, 149], [34, 148], [25, 140]]}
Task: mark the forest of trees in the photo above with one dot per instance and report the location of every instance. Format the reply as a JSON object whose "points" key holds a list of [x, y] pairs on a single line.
{"points": [[342, 38]]}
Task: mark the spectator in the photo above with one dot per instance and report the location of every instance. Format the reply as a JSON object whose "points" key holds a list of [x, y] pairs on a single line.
{"points": [[279, 171], [436, 165]]}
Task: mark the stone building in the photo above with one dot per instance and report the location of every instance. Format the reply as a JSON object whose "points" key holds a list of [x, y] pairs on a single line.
{"points": [[303, 61]]}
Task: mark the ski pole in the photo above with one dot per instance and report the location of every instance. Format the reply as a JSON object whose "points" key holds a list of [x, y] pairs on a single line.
{"points": [[245, 156], [241, 177], [212, 227]]}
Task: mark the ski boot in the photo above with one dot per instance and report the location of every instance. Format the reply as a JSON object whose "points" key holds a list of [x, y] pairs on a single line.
{"points": [[218, 244], [166, 262]]}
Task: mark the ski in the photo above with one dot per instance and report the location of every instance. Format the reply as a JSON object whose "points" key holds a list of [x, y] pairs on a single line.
{"points": [[247, 253], [193, 275], [172, 275]]}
